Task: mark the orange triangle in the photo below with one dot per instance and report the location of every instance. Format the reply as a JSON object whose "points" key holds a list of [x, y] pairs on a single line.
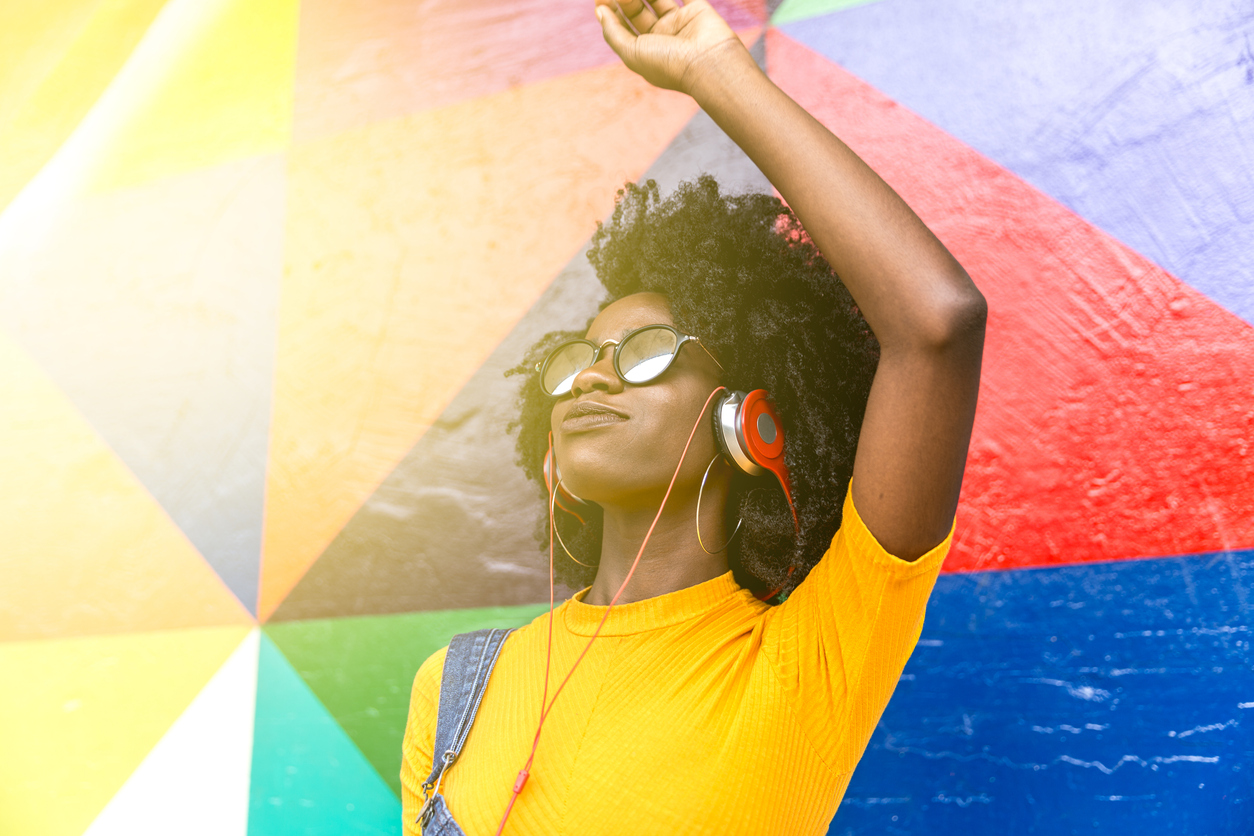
{"points": [[413, 247], [87, 549]]}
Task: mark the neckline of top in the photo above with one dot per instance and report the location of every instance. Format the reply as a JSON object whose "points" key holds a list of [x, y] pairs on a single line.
{"points": [[654, 613]]}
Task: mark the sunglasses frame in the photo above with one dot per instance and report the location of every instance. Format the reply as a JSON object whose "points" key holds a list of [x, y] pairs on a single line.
{"points": [[681, 339]]}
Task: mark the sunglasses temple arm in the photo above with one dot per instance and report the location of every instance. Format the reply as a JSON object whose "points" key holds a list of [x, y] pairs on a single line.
{"points": [[707, 351]]}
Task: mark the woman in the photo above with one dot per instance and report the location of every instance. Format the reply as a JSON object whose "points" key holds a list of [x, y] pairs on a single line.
{"points": [[692, 706]]}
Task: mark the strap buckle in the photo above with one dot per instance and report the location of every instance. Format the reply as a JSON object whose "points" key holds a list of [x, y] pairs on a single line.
{"points": [[430, 790]]}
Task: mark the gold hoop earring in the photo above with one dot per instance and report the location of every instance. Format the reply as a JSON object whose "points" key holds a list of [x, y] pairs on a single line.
{"points": [[558, 534], [700, 491]]}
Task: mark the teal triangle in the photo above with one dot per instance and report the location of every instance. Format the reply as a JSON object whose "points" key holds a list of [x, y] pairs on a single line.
{"points": [[308, 779], [368, 693]]}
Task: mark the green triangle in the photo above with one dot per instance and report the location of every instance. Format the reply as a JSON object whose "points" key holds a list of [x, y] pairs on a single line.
{"points": [[362, 668], [308, 779], [791, 10]]}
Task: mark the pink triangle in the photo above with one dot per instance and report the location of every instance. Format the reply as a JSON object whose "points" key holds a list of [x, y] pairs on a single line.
{"points": [[359, 63], [1116, 411]]}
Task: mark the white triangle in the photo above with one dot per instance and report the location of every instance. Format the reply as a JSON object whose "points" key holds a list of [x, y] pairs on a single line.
{"points": [[195, 780]]}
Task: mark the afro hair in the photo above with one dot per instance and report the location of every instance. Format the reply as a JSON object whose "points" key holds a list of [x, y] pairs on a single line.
{"points": [[740, 273]]}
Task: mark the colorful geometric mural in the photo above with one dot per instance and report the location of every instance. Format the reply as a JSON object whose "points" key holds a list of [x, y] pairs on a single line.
{"points": [[263, 264]]}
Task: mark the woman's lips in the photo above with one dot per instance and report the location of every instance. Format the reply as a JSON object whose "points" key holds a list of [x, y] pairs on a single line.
{"points": [[589, 416]]}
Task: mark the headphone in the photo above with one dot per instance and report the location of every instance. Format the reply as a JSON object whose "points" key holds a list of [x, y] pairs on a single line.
{"points": [[747, 430]]}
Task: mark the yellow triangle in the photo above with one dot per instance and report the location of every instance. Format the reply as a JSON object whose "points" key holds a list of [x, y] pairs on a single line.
{"points": [[59, 56], [413, 247], [211, 81], [87, 549], [78, 715]]}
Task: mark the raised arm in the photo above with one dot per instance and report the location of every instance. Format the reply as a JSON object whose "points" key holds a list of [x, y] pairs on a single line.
{"points": [[924, 309]]}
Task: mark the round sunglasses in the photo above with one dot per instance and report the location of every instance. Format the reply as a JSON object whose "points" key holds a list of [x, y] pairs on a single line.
{"points": [[641, 356]]}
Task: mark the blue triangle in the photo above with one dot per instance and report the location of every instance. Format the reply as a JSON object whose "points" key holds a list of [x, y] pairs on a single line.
{"points": [[308, 778], [1133, 115]]}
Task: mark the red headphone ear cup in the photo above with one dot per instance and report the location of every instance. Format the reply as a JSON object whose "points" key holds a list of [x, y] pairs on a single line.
{"points": [[763, 435], [751, 435]]}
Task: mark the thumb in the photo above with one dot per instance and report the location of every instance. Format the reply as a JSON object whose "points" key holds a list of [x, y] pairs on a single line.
{"points": [[616, 34]]}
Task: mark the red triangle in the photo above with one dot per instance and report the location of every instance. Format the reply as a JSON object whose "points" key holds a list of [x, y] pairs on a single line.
{"points": [[1116, 411]]}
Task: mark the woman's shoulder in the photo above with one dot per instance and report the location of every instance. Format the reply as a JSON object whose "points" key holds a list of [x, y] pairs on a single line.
{"points": [[858, 540], [430, 673], [427, 681], [855, 541]]}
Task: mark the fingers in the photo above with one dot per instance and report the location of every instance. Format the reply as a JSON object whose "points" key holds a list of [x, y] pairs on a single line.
{"points": [[615, 31], [644, 14], [638, 13]]}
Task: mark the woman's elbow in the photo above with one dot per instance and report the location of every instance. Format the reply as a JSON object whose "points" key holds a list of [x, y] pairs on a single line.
{"points": [[955, 320]]}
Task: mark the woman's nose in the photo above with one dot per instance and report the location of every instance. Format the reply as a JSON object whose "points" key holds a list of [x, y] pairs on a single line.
{"points": [[599, 376]]}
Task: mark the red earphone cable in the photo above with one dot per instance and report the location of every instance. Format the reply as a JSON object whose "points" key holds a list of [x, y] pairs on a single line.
{"points": [[525, 772]]}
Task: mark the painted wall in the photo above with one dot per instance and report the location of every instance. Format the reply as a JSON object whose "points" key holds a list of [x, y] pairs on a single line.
{"points": [[263, 263]]}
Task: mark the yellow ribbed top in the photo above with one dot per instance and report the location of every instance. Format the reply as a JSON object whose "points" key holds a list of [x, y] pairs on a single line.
{"points": [[700, 711]]}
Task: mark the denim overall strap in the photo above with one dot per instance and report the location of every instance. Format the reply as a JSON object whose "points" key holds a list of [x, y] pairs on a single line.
{"points": [[467, 666]]}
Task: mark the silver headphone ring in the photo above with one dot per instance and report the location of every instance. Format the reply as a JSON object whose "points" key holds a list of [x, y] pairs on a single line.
{"points": [[731, 436]]}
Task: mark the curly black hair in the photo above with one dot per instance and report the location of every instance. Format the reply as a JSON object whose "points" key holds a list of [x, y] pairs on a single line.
{"points": [[740, 273]]}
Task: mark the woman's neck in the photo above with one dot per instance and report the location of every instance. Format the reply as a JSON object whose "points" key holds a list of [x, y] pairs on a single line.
{"points": [[673, 558]]}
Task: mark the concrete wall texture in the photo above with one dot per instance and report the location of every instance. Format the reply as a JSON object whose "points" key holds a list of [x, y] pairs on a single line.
{"points": [[263, 263]]}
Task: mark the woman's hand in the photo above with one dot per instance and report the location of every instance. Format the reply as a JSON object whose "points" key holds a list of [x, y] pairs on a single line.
{"points": [[676, 43]]}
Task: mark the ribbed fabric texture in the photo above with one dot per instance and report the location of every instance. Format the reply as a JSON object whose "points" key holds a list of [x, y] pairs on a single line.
{"points": [[700, 711]]}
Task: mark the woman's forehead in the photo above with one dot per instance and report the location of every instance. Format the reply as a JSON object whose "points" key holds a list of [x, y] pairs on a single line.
{"points": [[629, 313]]}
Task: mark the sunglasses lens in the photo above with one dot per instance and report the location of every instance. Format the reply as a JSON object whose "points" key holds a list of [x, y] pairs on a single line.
{"points": [[562, 366], [646, 354]]}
